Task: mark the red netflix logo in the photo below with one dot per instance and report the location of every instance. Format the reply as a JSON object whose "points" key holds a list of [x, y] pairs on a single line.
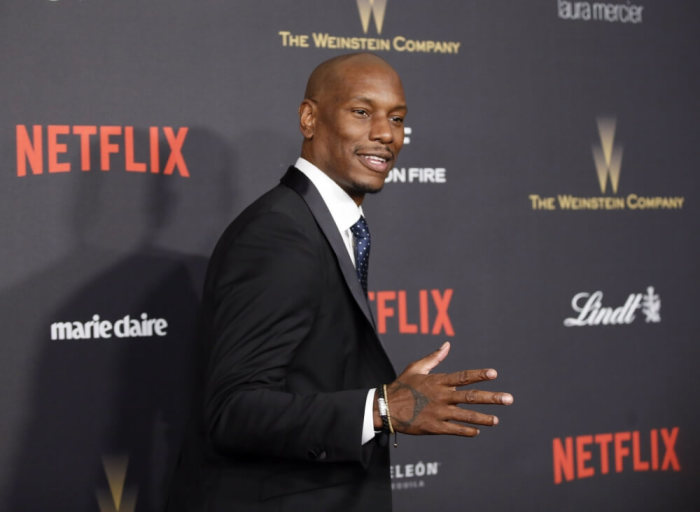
{"points": [[433, 316], [109, 140], [583, 456]]}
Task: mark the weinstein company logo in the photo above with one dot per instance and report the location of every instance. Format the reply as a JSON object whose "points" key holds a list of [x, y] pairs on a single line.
{"points": [[591, 311], [118, 497], [607, 162], [368, 10]]}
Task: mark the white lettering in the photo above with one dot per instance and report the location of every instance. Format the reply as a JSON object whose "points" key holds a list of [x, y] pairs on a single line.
{"points": [[600, 11], [591, 311], [417, 175], [97, 329], [396, 175], [60, 330], [398, 471]]}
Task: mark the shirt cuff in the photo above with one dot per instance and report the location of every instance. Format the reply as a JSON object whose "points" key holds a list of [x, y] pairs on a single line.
{"points": [[368, 424]]}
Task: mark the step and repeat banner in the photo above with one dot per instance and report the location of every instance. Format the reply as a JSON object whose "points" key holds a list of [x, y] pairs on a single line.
{"points": [[543, 217]]}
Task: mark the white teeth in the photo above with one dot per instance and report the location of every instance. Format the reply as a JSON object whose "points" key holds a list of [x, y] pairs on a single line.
{"points": [[376, 159]]}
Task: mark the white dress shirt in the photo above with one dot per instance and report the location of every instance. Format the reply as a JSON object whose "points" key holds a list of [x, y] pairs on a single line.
{"points": [[345, 213]]}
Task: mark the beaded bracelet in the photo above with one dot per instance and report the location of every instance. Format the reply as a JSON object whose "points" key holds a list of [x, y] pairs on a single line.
{"points": [[385, 413]]}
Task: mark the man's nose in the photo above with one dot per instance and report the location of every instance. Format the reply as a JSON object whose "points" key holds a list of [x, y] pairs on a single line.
{"points": [[381, 130]]}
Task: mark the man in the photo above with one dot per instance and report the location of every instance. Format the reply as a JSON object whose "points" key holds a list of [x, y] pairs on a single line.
{"points": [[290, 408]]}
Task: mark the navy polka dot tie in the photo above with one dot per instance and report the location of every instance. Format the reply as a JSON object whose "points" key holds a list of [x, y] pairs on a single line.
{"points": [[360, 231]]}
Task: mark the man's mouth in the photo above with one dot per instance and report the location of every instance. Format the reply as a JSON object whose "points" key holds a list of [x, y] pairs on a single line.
{"points": [[377, 162]]}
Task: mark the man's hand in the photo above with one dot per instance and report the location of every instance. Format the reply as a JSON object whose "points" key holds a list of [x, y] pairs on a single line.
{"points": [[425, 403]]}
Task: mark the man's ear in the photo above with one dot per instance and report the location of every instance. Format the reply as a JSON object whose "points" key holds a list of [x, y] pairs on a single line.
{"points": [[307, 118]]}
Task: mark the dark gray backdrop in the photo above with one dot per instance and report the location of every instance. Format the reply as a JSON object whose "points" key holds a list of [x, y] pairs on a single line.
{"points": [[513, 113]]}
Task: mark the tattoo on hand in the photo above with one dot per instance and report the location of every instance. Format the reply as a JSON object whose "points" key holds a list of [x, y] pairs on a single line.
{"points": [[420, 402]]}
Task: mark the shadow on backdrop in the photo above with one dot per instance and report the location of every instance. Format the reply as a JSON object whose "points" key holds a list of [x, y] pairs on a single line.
{"points": [[116, 405]]}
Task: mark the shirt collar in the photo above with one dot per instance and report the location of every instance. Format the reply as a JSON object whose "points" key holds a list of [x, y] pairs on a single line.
{"points": [[344, 210]]}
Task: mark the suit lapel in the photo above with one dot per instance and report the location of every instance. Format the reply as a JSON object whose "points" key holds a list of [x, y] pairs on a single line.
{"points": [[297, 181]]}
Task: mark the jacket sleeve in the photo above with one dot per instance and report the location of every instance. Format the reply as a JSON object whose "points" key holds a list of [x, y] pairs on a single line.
{"points": [[265, 293]]}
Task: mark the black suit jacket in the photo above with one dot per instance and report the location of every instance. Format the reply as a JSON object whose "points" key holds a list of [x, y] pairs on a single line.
{"points": [[291, 352]]}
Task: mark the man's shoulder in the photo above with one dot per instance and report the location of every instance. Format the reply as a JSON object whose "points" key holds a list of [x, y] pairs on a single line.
{"points": [[281, 200], [280, 208], [278, 199]]}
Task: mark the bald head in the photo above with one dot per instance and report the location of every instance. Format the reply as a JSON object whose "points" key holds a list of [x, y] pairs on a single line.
{"points": [[352, 121], [329, 75]]}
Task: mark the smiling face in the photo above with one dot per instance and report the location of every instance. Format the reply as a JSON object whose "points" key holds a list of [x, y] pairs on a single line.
{"points": [[352, 122]]}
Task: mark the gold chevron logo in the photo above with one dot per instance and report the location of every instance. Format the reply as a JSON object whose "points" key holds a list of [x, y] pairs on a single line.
{"points": [[607, 156], [368, 8], [119, 498]]}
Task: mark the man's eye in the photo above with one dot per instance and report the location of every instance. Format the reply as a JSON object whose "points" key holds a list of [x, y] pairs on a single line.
{"points": [[360, 112], [397, 120]]}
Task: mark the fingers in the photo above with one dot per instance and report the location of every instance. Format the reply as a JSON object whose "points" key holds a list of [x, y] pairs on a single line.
{"points": [[459, 422], [429, 403], [456, 429], [475, 396], [426, 364], [473, 417], [466, 377]]}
